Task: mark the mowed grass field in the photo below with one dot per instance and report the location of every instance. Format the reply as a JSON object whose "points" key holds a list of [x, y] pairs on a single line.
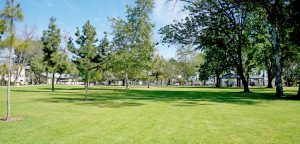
{"points": [[156, 115]]}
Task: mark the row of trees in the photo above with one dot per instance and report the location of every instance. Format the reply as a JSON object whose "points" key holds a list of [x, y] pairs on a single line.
{"points": [[230, 36], [182, 70], [128, 54], [130, 51], [240, 35]]}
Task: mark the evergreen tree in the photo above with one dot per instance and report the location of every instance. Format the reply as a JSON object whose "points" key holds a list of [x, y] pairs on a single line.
{"points": [[86, 56], [103, 53], [51, 41]]}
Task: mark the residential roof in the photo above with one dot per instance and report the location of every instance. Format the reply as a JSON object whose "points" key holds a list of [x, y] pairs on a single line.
{"points": [[230, 75], [56, 75]]}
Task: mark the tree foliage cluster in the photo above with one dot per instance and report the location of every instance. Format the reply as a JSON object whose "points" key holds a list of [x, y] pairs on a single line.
{"points": [[241, 36]]}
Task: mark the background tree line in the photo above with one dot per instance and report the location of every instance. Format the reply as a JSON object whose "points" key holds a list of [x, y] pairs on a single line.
{"points": [[217, 37], [240, 35]]}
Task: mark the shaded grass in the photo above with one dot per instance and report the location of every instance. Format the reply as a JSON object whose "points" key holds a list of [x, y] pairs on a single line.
{"points": [[155, 115]]}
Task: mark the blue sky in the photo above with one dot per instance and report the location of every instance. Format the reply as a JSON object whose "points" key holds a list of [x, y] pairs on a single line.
{"points": [[74, 13]]}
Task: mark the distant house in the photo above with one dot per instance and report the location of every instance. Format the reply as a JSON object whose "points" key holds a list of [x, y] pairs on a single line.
{"points": [[231, 79], [257, 80], [60, 79], [22, 79], [25, 78]]}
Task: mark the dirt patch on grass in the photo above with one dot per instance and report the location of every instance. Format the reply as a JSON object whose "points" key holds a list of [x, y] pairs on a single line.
{"points": [[11, 119]]}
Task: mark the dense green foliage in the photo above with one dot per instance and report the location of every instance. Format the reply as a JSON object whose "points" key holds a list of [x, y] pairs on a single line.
{"points": [[37, 67], [51, 40], [87, 55], [241, 35], [215, 64], [188, 60], [2, 29], [133, 47], [216, 25]]}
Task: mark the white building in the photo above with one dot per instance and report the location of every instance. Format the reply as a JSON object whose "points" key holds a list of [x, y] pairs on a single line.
{"points": [[22, 79]]}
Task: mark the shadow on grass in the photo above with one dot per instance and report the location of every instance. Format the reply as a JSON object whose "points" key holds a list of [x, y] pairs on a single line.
{"points": [[116, 97]]}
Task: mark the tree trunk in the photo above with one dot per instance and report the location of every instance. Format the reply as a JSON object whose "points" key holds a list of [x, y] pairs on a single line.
{"points": [[270, 78], [238, 82], [161, 82], [8, 83], [47, 76], [39, 79], [239, 65], [31, 79], [263, 82], [278, 80], [218, 81], [169, 82], [126, 81], [86, 89], [123, 82], [268, 71], [244, 81], [289, 83], [270, 83], [298, 89], [148, 79], [242, 77], [245, 84], [53, 75], [3, 80]]}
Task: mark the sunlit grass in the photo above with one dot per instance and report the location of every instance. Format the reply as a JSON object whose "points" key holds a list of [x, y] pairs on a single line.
{"points": [[155, 115]]}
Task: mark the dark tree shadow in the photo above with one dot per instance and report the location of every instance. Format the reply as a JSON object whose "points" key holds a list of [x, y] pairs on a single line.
{"points": [[115, 97]]}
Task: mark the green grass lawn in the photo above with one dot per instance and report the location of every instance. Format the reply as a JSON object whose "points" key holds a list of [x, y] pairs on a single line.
{"points": [[155, 115]]}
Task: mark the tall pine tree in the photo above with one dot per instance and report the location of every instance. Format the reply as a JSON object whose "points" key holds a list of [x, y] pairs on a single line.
{"points": [[86, 56], [51, 40]]}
